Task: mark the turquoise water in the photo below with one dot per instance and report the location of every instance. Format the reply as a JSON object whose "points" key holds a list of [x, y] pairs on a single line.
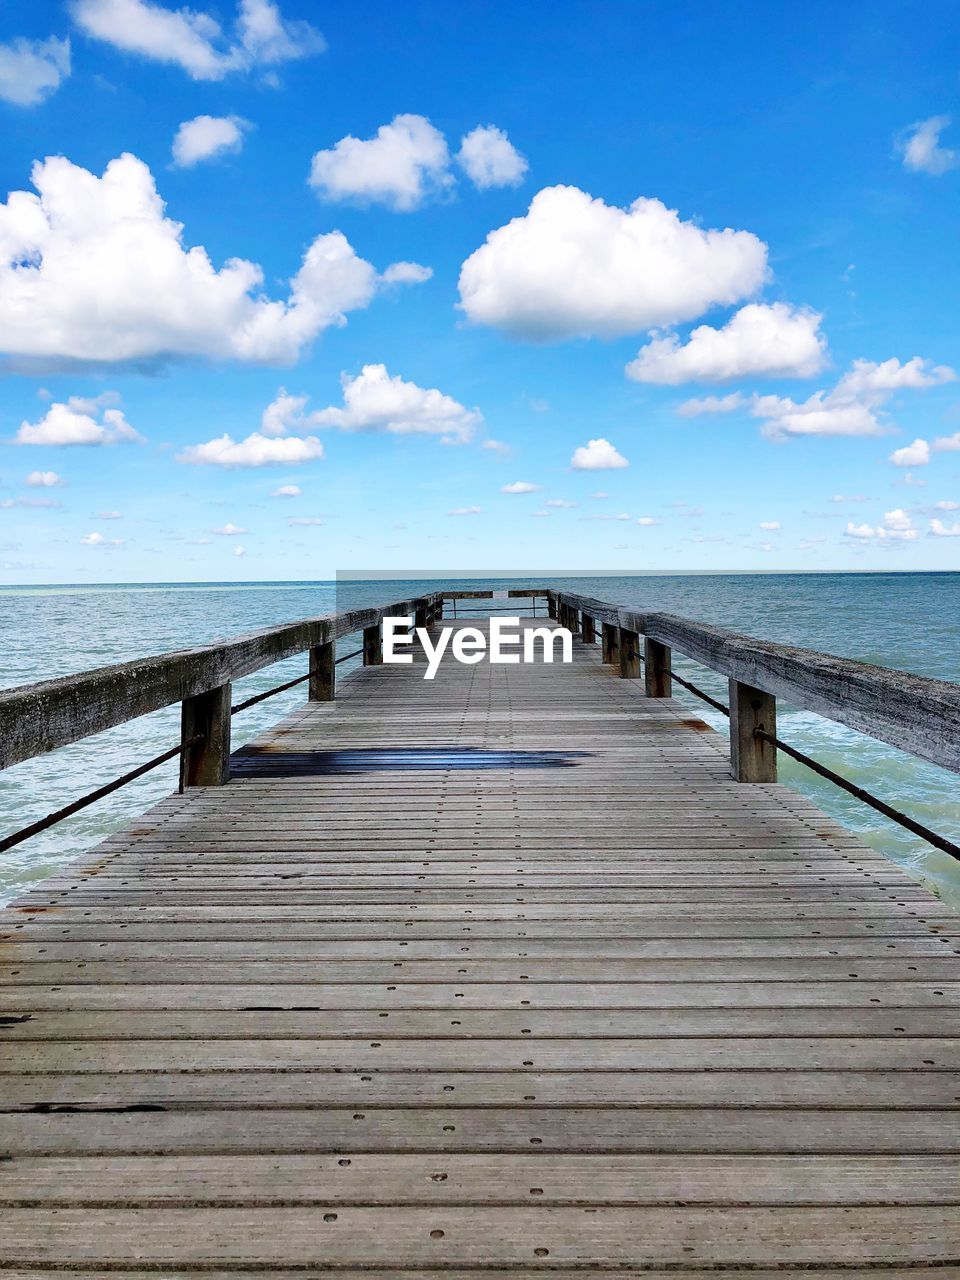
{"points": [[910, 621]]}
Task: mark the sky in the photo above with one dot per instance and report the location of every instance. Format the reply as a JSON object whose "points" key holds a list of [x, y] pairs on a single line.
{"points": [[295, 289]]}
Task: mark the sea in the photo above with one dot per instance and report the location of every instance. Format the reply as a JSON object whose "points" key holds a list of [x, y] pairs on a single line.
{"points": [[909, 621]]}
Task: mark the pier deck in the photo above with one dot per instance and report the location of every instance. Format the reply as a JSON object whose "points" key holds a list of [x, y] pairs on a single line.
{"points": [[497, 974]]}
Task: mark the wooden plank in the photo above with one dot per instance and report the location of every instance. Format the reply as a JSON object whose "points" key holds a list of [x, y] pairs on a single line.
{"points": [[478, 1179]]}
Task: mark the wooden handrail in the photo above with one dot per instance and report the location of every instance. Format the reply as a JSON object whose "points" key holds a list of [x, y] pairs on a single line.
{"points": [[38, 718], [917, 714]]}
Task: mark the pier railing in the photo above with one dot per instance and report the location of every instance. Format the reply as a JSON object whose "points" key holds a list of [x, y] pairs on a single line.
{"points": [[913, 713]]}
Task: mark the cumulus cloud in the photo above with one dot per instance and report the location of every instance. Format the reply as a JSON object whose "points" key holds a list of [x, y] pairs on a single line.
{"points": [[921, 150], [573, 266], [92, 270], [948, 444], [230, 530], [597, 455], [255, 450], [562, 503], [647, 521], [78, 422], [8, 503], [404, 163], [466, 511], [941, 530], [204, 137], [287, 491], [239, 551], [489, 158], [521, 486], [195, 41], [496, 446], [406, 273], [912, 455], [44, 480], [309, 522], [31, 70], [770, 525], [711, 404], [109, 515], [897, 527], [768, 340], [375, 401], [99, 540], [852, 407]]}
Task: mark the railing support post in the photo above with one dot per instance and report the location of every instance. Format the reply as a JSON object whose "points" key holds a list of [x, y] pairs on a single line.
{"points": [[206, 763], [422, 614], [551, 606], [656, 669], [588, 629], [611, 644], [751, 758], [323, 672], [629, 655], [372, 646]]}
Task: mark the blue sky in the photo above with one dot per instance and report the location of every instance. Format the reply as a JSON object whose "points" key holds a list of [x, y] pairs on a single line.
{"points": [[784, 294]]}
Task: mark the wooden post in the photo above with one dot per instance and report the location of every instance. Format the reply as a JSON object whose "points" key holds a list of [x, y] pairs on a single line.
{"points": [[611, 644], [629, 655], [372, 646], [588, 629], [323, 672], [573, 621], [551, 606], [206, 763], [421, 614], [656, 669], [751, 758]]}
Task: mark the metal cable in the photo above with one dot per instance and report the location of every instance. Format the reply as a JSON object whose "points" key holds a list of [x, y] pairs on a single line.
{"points": [[259, 697], [896, 815], [75, 806]]}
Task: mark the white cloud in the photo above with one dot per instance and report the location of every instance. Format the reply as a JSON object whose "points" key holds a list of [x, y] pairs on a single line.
{"points": [[7, 504], [204, 137], [597, 455], [109, 515], [947, 444], [897, 526], [92, 270], [769, 340], [287, 491], [912, 455], [946, 505], [306, 521], [75, 423], [406, 273], [31, 70], [45, 480], [239, 551], [496, 446], [230, 530], [848, 497], [466, 511], [562, 503], [600, 495], [770, 525], [521, 486], [373, 401], [711, 404], [921, 150], [647, 520], [283, 412], [194, 40], [576, 267], [98, 540], [490, 159], [941, 530], [255, 450], [851, 408], [406, 162]]}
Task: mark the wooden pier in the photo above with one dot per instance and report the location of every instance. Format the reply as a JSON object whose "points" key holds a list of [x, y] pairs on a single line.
{"points": [[503, 973]]}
